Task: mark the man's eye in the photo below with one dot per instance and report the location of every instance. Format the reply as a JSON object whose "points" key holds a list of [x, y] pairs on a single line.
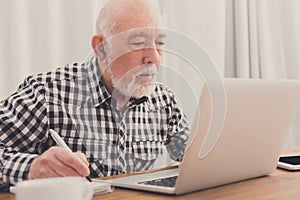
{"points": [[159, 43], [138, 43]]}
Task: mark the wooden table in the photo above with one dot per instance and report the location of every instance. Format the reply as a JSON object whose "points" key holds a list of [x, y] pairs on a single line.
{"points": [[281, 184]]}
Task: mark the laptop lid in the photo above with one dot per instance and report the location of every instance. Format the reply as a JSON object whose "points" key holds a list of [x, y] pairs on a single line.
{"points": [[258, 116]]}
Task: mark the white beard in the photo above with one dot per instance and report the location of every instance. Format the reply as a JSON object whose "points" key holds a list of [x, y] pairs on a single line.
{"points": [[132, 84]]}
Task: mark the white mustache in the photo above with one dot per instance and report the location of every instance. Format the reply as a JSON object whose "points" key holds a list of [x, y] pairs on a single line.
{"points": [[148, 69]]}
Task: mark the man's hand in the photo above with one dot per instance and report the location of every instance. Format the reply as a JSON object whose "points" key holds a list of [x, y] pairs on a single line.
{"points": [[56, 162]]}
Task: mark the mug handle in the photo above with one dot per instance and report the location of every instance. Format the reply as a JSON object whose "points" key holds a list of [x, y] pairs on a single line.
{"points": [[88, 191]]}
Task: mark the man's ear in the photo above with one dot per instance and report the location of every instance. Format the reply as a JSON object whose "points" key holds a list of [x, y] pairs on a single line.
{"points": [[98, 46]]}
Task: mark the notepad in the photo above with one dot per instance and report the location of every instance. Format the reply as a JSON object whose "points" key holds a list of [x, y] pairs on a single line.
{"points": [[100, 187]]}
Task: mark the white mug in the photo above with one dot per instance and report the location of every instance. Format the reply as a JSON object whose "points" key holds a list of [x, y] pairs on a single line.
{"points": [[61, 188]]}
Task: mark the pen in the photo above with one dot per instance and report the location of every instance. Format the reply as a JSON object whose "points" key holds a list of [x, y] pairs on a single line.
{"points": [[59, 141]]}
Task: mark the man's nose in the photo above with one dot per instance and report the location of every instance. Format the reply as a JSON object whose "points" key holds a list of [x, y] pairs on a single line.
{"points": [[151, 56]]}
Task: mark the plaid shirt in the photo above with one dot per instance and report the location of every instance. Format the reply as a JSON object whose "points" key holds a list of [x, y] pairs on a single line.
{"points": [[73, 101]]}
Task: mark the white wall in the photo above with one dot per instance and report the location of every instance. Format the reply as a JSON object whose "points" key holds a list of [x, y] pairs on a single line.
{"points": [[36, 36]]}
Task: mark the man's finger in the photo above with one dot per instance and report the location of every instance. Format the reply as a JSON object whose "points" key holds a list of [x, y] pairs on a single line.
{"points": [[73, 162]]}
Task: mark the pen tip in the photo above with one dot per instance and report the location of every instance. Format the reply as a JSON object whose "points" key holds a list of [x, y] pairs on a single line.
{"points": [[88, 178]]}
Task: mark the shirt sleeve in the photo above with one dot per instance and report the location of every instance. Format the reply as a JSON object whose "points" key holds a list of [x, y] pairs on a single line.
{"points": [[23, 124], [178, 131]]}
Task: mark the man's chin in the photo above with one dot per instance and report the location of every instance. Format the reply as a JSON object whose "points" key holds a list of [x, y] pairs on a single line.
{"points": [[143, 91]]}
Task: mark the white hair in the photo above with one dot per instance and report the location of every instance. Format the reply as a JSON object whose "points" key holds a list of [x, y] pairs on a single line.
{"points": [[106, 21], [107, 18]]}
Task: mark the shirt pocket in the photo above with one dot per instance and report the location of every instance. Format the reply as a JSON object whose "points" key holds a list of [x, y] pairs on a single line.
{"points": [[94, 149], [147, 150], [148, 126]]}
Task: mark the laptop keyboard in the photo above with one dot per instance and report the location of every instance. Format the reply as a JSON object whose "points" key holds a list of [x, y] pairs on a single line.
{"points": [[165, 182]]}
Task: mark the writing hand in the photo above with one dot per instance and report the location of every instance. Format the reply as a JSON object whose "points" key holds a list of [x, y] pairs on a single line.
{"points": [[57, 161]]}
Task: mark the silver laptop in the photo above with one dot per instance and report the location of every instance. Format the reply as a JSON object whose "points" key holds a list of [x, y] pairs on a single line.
{"points": [[258, 117]]}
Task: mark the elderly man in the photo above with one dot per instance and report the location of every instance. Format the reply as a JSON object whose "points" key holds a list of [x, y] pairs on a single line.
{"points": [[109, 110]]}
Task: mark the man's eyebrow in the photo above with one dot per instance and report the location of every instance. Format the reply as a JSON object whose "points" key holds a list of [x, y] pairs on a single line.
{"points": [[162, 35], [143, 34], [137, 34]]}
